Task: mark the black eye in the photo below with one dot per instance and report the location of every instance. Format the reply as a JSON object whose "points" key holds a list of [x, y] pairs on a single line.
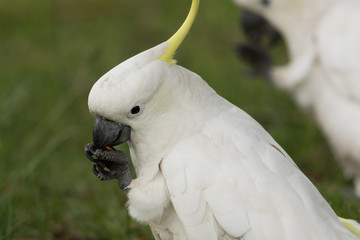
{"points": [[135, 110]]}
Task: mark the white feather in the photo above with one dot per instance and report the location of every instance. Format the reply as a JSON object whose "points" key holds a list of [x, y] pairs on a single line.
{"points": [[254, 200], [205, 169], [323, 75]]}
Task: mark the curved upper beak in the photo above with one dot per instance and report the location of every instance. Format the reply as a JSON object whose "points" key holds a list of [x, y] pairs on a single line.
{"points": [[109, 133]]}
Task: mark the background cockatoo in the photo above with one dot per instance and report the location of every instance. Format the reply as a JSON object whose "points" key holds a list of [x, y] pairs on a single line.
{"points": [[323, 75], [205, 169]]}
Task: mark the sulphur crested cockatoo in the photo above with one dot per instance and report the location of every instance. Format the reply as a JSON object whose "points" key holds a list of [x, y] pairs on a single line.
{"points": [[323, 75], [205, 169]]}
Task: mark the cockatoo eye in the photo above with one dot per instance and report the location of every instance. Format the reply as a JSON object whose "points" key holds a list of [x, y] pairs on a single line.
{"points": [[135, 111]]}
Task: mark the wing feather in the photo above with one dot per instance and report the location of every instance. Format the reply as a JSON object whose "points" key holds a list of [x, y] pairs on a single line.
{"points": [[239, 183]]}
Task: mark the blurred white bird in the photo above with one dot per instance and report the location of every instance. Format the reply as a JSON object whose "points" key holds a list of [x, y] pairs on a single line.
{"points": [[323, 75], [205, 169]]}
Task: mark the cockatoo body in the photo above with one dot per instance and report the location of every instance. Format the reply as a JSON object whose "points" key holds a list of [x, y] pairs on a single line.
{"points": [[323, 75], [205, 169]]}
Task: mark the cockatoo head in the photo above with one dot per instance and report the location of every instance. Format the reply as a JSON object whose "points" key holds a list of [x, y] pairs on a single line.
{"points": [[133, 94]]}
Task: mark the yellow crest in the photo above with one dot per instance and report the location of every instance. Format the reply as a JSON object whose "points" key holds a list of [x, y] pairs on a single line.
{"points": [[176, 40]]}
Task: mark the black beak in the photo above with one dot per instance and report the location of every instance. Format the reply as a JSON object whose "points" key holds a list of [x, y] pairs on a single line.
{"points": [[109, 133]]}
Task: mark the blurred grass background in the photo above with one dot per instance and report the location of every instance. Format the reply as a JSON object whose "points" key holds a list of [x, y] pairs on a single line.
{"points": [[53, 51]]}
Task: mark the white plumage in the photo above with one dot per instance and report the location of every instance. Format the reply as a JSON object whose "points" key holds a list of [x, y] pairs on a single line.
{"points": [[205, 169], [323, 75]]}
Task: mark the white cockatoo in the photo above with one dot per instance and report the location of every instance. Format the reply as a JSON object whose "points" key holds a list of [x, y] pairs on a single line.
{"points": [[205, 169], [323, 75]]}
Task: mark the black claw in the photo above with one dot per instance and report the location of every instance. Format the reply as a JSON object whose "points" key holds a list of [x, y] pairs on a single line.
{"points": [[105, 174], [109, 164], [95, 170], [90, 152], [101, 173]]}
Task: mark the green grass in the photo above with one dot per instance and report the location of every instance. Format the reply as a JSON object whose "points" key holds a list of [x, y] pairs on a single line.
{"points": [[51, 54]]}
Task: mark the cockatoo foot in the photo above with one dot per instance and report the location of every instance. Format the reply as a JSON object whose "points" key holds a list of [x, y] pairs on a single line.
{"points": [[260, 37], [109, 164], [257, 58]]}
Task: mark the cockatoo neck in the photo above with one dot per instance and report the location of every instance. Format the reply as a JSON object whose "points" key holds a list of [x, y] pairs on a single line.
{"points": [[183, 103]]}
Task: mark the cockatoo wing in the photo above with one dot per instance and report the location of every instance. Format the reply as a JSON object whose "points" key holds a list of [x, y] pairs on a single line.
{"points": [[233, 180], [338, 39]]}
